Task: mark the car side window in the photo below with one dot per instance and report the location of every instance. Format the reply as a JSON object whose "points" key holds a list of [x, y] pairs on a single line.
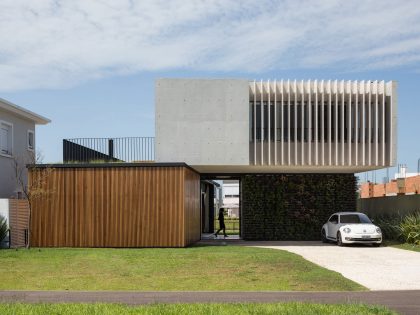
{"points": [[334, 219]]}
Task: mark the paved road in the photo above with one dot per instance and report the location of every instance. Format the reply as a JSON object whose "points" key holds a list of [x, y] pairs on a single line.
{"points": [[383, 268], [404, 302]]}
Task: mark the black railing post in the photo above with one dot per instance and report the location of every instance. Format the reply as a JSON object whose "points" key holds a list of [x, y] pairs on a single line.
{"points": [[66, 153], [110, 149]]}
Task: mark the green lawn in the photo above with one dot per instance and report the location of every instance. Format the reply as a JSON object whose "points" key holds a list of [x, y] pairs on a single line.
{"points": [[186, 309], [200, 268], [407, 246]]}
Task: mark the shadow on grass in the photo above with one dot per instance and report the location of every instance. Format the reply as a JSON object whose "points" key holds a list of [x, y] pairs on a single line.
{"points": [[225, 242]]}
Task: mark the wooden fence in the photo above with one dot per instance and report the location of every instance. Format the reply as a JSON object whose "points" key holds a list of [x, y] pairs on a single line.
{"points": [[116, 205], [19, 222]]}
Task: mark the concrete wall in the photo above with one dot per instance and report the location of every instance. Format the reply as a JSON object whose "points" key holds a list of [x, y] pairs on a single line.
{"points": [[202, 122], [20, 149], [378, 206], [4, 211]]}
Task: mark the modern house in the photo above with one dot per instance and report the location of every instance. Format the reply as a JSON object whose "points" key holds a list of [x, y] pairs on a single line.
{"points": [[17, 140], [236, 126], [294, 147]]}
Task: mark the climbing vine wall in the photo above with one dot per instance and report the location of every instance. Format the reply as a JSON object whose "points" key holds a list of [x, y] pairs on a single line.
{"points": [[293, 206]]}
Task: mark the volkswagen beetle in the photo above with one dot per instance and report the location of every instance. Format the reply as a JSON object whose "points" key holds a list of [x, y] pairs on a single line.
{"points": [[351, 227]]}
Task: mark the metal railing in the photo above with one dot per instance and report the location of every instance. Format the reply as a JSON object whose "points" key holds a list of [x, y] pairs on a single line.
{"points": [[128, 149]]}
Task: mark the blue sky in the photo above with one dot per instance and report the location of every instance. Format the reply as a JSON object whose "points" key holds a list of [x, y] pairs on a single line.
{"points": [[90, 66]]}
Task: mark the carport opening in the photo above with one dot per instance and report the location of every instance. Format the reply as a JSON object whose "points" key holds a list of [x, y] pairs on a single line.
{"points": [[220, 193]]}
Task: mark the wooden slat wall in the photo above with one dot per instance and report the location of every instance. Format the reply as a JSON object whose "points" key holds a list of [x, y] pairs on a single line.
{"points": [[192, 216], [19, 221], [118, 207]]}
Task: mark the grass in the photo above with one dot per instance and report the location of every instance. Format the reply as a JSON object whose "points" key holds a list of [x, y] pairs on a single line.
{"points": [[400, 245], [180, 309], [200, 268], [415, 248]]}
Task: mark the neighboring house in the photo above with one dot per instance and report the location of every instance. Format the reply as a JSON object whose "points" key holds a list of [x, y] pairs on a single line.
{"points": [[231, 197], [17, 140]]}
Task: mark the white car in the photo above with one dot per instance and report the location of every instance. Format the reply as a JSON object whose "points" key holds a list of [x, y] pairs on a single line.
{"points": [[351, 227]]}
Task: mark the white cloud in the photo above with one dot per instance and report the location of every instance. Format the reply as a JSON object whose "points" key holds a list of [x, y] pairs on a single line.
{"points": [[51, 44]]}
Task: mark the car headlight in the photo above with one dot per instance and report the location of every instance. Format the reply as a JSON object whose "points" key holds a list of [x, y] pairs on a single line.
{"points": [[378, 230], [347, 230]]}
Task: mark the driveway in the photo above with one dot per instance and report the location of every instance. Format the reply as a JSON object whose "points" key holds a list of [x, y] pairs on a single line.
{"points": [[376, 268]]}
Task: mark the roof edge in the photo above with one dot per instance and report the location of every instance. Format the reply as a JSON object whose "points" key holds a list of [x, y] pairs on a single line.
{"points": [[22, 112], [112, 165]]}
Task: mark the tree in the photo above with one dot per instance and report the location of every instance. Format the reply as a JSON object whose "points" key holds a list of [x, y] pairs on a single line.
{"points": [[33, 188]]}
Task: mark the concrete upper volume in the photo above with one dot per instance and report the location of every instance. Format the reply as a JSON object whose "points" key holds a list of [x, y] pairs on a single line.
{"points": [[237, 126]]}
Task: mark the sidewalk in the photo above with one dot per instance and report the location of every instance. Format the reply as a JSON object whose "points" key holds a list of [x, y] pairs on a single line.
{"points": [[404, 302]]}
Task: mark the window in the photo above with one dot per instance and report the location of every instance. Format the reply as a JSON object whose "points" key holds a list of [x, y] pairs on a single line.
{"points": [[31, 140], [334, 219], [6, 138], [349, 218], [354, 218]]}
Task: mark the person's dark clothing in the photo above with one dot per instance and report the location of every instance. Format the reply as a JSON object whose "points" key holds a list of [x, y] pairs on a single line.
{"points": [[221, 221]]}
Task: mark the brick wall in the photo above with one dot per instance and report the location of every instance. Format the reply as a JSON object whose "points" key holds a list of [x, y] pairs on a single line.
{"points": [[368, 190], [293, 206]]}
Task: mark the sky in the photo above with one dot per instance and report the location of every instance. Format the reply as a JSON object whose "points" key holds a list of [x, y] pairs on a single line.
{"points": [[90, 66]]}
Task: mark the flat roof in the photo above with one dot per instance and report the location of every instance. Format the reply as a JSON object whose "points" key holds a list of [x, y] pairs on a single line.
{"points": [[22, 112], [110, 165]]}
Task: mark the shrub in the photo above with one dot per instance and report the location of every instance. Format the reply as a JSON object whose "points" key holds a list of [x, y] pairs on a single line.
{"points": [[389, 225], [3, 228], [409, 228]]}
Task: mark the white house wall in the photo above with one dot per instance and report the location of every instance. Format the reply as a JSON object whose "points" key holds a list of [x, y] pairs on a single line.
{"points": [[4, 211], [20, 150]]}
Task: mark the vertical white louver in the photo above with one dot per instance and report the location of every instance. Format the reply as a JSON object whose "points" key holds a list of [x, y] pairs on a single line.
{"points": [[322, 123]]}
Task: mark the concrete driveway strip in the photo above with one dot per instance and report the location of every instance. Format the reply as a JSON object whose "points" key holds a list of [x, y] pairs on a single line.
{"points": [[376, 268]]}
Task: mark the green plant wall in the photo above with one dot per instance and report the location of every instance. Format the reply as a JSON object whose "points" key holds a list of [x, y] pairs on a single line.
{"points": [[293, 206]]}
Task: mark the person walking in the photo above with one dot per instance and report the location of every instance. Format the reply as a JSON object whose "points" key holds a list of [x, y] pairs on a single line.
{"points": [[222, 226]]}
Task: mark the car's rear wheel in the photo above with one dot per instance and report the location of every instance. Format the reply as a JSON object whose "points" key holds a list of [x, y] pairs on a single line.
{"points": [[339, 240], [323, 236]]}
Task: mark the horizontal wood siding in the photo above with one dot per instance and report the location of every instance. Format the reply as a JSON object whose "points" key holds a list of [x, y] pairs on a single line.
{"points": [[115, 207]]}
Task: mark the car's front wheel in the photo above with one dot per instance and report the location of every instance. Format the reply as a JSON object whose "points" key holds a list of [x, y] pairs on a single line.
{"points": [[323, 236], [339, 240]]}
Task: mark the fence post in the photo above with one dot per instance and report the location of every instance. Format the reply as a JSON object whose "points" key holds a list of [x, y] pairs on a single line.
{"points": [[110, 149]]}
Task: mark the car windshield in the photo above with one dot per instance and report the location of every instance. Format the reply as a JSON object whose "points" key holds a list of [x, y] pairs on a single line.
{"points": [[354, 218]]}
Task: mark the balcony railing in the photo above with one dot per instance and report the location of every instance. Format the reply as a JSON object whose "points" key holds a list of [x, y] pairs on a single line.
{"points": [[129, 149]]}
